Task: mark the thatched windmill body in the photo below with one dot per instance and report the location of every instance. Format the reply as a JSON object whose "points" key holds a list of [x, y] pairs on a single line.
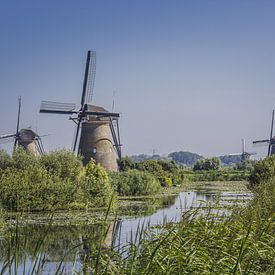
{"points": [[26, 138], [270, 142], [97, 130]]}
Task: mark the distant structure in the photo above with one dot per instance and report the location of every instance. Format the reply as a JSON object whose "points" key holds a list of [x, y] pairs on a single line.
{"points": [[244, 154], [98, 128], [26, 138], [271, 141]]}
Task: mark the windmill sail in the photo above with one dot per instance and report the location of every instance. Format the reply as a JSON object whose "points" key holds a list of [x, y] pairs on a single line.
{"points": [[57, 107], [271, 141]]}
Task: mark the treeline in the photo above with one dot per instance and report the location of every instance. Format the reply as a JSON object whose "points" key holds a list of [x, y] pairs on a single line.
{"points": [[187, 158], [165, 171], [168, 172]]}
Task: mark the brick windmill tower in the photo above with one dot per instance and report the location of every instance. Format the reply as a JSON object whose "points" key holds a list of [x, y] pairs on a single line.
{"points": [[97, 130]]}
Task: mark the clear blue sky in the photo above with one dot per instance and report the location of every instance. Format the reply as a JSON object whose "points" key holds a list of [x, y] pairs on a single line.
{"points": [[189, 75]]}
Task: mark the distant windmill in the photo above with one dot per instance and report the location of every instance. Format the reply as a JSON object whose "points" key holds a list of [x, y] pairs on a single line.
{"points": [[25, 138], [271, 141], [98, 128], [244, 155]]}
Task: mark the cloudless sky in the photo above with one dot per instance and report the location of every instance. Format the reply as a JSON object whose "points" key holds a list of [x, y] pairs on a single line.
{"points": [[188, 75]]}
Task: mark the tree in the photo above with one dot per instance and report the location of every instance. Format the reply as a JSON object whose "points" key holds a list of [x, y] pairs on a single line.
{"points": [[207, 164], [264, 171]]}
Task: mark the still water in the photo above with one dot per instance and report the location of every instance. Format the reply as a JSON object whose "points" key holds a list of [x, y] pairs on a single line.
{"points": [[70, 243]]}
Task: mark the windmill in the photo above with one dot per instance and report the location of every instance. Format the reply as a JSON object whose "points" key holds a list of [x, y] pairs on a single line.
{"points": [[271, 141], [244, 154], [25, 138], [97, 130]]}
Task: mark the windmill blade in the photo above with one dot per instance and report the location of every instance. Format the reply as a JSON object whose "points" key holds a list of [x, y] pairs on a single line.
{"points": [[263, 141], [39, 145], [116, 138], [8, 139], [102, 114], [251, 153], [89, 78], [18, 122], [243, 145], [76, 136], [18, 115], [271, 135], [52, 107], [7, 136]]}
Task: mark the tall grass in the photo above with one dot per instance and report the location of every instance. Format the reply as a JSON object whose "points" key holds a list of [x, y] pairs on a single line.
{"points": [[242, 243]]}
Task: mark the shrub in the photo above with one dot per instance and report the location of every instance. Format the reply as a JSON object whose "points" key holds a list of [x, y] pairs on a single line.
{"points": [[62, 163], [34, 190], [207, 164], [95, 186], [134, 182], [264, 171], [22, 160], [5, 160]]}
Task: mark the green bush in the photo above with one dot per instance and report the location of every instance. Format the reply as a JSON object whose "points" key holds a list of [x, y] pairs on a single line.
{"points": [[95, 187], [62, 163], [134, 182], [5, 160], [34, 190], [207, 164], [264, 171], [54, 181], [22, 160]]}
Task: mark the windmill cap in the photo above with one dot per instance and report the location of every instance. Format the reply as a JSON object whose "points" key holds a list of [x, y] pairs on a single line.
{"points": [[27, 134]]}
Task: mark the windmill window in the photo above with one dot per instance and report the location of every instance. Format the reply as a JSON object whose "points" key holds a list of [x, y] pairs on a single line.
{"points": [[94, 150]]}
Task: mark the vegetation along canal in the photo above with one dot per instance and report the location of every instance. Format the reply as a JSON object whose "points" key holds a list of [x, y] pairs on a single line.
{"points": [[71, 237]]}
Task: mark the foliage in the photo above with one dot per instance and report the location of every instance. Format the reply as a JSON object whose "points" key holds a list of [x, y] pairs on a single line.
{"points": [[5, 160], [22, 160], [264, 170], [143, 157], [134, 182], [126, 163], [95, 186], [54, 181], [246, 165], [63, 164], [241, 243], [34, 190], [166, 171], [186, 158], [216, 175], [230, 159], [207, 164]]}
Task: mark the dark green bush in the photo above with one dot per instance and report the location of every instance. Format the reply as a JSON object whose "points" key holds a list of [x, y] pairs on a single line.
{"points": [[5, 160], [264, 171], [34, 190], [54, 181], [95, 187], [22, 160], [207, 164], [62, 163], [134, 182]]}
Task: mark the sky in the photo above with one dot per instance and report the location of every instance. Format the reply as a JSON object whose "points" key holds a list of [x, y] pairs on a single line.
{"points": [[185, 75]]}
